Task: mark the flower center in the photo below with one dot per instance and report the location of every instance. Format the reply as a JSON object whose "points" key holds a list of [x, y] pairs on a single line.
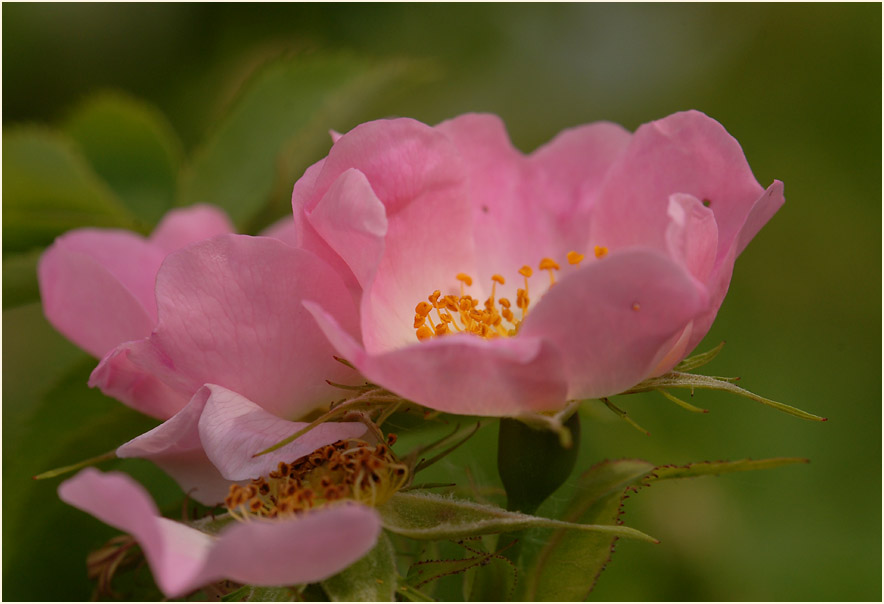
{"points": [[495, 318], [348, 469]]}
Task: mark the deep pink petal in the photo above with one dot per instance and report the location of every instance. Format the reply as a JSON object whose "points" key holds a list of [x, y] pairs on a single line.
{"points": [[613, 320], [683, 153], [233, 429], [187, 225], [461, 374], [175, 446], [97, 287], [230, 315], [305, 549]]}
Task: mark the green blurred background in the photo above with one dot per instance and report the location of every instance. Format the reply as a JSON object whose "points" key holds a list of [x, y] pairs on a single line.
{"points": [[798, 85]]}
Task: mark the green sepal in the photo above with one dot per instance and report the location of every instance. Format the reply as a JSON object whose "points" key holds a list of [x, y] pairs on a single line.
{"points": [[373, 578], [676, 379], [532, 462], [569, 563], [698, 360], [429, 516]]}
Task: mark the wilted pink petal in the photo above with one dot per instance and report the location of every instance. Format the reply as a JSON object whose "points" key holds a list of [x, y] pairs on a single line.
{"points": [[303, 549], [230, 314], [656, 218]]}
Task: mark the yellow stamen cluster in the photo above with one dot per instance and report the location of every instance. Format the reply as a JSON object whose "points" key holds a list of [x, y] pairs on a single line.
{"points": [[495, 317], [348, 469]]}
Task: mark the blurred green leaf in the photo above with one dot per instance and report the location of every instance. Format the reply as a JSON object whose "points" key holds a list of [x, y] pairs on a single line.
{"points": [[20, 278], [373, 578], [569, 564], [532, 463], [50, 419], [132, 146], [255, 593], [428, 516], [279, 124], [48, 188]]}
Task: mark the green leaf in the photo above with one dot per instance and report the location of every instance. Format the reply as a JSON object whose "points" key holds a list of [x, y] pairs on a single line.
{"points": [[691, 381], [279, 125], [429, 516], [51, 419], [48, 188], [20, 278], [569, 563], [532, 463], [373, 578], [132, 146], [255, 593]]}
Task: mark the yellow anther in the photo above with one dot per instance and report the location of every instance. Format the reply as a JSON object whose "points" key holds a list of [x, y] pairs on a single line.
{"points": [[498, 279], [434, 297], [636, 306], [423, 308], [465, 278], [424, 333], [574, 257], [548, 264], [600, 251], [526, 271], [419, 320], [504, 302], [441, 329]]}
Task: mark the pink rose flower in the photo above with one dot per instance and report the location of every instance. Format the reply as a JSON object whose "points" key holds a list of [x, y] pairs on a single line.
{"points": [[496, 283], [212, 337], [299, 549]]}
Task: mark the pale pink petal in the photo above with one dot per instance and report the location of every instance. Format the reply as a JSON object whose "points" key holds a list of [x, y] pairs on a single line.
{"points": [[461, 374], [692, 235], [97, 287], [352, 220], [233, 429], [418, 176], [305, 549], [117, 377], [184, 226], [175, 447], [284, 230], [230, 315], [686, 153], [613, 320], [526, 208], [762, 211]]}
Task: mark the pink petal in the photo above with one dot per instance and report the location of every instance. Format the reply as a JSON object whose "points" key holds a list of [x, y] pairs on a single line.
{"points": [[233, 429], [461, 374], [692, 235], [117, 377], [613, 320], [187, 225], [284, 230], [762, 211], [175, 447], [308, 548], [97, 287], [529, 207], [686, 153], [417, 175], [230, 315]]}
